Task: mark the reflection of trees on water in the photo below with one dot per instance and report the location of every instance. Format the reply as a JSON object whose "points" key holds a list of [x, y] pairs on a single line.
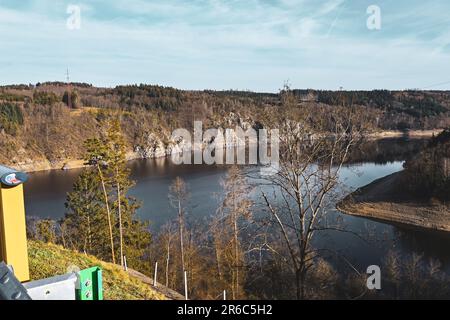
{"points": [[386, 150], [431, 244]]}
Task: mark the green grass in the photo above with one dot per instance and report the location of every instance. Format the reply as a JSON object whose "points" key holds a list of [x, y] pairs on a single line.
{"points": [[48, 260]]}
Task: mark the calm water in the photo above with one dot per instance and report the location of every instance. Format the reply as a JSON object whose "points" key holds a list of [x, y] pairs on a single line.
{"points": [[45, 192], [45, 195]]}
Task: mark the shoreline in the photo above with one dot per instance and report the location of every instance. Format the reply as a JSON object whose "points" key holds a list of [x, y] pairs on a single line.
{"points": [[400, 223], [45, 165], [381, 200], [404, 134], [68, 164]]}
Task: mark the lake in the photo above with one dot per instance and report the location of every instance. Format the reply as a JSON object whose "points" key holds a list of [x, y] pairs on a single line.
{"points": [[45, 195]]}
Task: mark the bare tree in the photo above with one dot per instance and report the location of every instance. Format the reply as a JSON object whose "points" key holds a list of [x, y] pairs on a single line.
{"points": [[233, 214], [178, 197], [298, 197], [167, 236]]}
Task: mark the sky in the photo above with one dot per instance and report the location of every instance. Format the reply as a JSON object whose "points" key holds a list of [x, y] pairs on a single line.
{"points": [[253, 45]]}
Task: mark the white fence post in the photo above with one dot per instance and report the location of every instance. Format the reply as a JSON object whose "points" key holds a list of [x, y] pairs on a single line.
{"points": [[156, 274], [125, 267], [185, 285]]}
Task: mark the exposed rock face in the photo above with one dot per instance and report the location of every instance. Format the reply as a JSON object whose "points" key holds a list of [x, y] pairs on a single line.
{"points": [[157, 146], [154, 148]]}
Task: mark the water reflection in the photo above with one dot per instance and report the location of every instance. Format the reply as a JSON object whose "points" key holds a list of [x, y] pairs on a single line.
{"points": [[45, 193], [384, 151]]}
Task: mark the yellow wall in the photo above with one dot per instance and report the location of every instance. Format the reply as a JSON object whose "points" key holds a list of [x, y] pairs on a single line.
{"points": [[13, 238]]}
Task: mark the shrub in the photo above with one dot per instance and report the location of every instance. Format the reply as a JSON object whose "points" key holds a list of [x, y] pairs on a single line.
{"points": [[45, 98], [11, 117]]}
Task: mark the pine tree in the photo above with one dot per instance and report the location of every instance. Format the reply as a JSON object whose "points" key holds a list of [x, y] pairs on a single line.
{"points": [[119, 177], [107, 156], [84, 223], [97, 156]]}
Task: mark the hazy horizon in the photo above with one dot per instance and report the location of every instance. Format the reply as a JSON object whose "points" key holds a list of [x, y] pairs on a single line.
{"points": [[219, 90]]}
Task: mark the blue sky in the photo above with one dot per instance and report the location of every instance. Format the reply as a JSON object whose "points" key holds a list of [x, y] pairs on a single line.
{"points": [[228, 44]]}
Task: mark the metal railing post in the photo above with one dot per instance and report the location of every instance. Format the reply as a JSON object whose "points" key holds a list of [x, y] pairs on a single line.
{"points": [[13, 236]]}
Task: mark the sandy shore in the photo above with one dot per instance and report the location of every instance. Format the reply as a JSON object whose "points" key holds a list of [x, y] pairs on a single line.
{"points": [[406, 134], [382, 200], [45, 165]]}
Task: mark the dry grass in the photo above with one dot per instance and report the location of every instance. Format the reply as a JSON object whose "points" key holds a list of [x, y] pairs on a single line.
{"points": [[79, 111], [47, 260]]}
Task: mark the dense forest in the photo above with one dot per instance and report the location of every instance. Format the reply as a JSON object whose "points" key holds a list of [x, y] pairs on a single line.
{"points": [[427, 175], [49, 121]]}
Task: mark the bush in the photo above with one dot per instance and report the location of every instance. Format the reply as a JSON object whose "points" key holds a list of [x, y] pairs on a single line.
{"points": [[45, 98], [11, 117]]}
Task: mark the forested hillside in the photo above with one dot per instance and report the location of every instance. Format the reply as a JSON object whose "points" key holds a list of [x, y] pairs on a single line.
{"points": [[48, 122], [428, 174]]}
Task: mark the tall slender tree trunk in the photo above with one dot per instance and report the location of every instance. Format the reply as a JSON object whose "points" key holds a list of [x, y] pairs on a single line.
{"points": [[119, 207], [236, 254], [298, 285], [89, 234], [236, 246], [218, 260], [181, 222], [167, 262], [300, 277], [302, 284], [108, 212]]}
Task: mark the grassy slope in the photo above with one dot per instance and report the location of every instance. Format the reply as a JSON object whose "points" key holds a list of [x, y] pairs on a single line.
{"points": [[47, 260]]}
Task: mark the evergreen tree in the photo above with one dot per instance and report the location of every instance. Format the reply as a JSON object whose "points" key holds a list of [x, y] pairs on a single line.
{"points": [[97, 156], [84, 223], [119, 177], [100, 213]]}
